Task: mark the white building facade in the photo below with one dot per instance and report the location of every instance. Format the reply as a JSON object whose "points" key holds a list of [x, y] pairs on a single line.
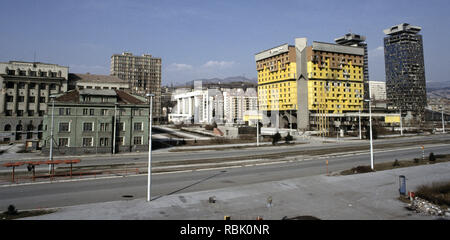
{"points": [[377, 90], [206, 106]]}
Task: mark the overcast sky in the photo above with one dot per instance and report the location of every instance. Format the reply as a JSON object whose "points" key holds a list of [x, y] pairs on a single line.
{"points": [[206, 39]]}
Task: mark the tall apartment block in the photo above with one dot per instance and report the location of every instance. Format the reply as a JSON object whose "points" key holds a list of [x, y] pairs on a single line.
{"points": [[25, 90], [311, 84], [143, 74], [357, 40], [405, 69]]}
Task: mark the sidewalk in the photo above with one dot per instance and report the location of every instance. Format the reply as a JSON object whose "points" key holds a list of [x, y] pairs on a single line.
{"points": [[362, 196]]}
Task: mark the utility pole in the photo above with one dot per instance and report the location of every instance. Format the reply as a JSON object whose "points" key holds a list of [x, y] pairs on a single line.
{"points": [[370, 125], [51, 134]]}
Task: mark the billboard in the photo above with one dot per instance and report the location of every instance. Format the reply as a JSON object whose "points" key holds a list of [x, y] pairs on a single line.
{"points": [[392, 119]]}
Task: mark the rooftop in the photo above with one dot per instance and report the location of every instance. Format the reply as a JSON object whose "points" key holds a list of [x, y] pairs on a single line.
{"points": [[93, 78], [331, 47], [123, 97], [350, 38], [400, 28]]}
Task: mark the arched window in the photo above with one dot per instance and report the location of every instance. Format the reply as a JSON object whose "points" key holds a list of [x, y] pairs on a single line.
{"points": [[19, 127], [7, 127]]}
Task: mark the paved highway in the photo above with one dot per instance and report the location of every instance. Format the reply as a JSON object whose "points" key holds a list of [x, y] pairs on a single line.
{"points": [[164, 155], [58, 194]]}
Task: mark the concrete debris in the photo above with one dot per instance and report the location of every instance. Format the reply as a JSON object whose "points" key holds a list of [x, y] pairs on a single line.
{"points": [[423, 206]]}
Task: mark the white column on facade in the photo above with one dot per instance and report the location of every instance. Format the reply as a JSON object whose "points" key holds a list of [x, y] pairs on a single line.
{"points": [[26, 101], [36, 100], [178, 106], [211, 107], [15, 96], [190, 106], [2, 96]]}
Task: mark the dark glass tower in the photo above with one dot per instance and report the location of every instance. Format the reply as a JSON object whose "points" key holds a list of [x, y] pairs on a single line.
{"points": [[405, 69]]}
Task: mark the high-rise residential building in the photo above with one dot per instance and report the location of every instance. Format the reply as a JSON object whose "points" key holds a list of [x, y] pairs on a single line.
{"points": [[356, 40], [143, 74], [305, 83], [25, 91], [405, 69]]}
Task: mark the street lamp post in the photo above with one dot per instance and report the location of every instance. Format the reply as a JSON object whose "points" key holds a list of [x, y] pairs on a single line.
{"points": [[360, 135], [51, 133], [257, 122], [370, 125], [149, 177]]}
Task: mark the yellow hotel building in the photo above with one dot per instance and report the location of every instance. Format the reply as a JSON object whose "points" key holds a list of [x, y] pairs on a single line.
{"points": [[277, 86], [335, 78], [332, 75]]}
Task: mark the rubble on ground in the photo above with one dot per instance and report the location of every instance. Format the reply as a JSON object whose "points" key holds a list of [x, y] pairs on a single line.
{"points": [[423, 206]]}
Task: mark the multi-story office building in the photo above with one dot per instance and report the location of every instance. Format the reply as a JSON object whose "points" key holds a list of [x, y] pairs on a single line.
{"points": [[26, 88], [88, 121], [377, 90], [304, 83], [143, 74], [405, 69], [94, 81], [357, 40], [237, 102], [213, 105]]}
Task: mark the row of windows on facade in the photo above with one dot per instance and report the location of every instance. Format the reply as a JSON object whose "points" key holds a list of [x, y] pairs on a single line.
{"points": [[19, 127], [272, 60], [132, 60], [103, 142], [29, 135], [140, 68], [345, 75], [31, 73], [103, 127], [152, 77], [335, 70], [21, 85], [327, 84], [98, 87], [320, 106], [273, 72], [289, 75], [31, 99], [20, 113], [101, 112], [323, 55]]}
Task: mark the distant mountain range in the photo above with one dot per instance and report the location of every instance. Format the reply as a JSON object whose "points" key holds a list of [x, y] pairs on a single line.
{"points": [[438, 89], [431, 86]]}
